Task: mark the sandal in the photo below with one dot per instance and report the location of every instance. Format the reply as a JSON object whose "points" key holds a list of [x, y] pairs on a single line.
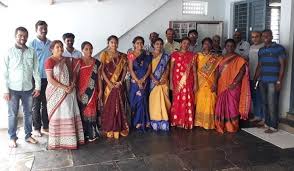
{"points": [[31, 140]]}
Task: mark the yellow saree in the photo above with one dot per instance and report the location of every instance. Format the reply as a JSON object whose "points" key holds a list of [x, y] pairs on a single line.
{"points": [[205, 99]]}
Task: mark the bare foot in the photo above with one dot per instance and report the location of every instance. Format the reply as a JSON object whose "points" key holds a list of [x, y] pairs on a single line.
{"points": [[31, 140], [37, 133], [12, 144]]}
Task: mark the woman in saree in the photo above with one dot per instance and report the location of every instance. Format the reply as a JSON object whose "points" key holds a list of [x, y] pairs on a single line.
{"points": [[65, 125], [89, 91], [233, 91], [159, 103], [205, 97], [114, 69], [140, 68], [184, 85]]}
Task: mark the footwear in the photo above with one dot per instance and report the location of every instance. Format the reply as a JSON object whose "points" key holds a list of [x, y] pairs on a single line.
{"points": [[116, 135], [31, 140], [92, 139], [37, 133], [45, 131], [255, 119], [12, 144], [270, 131]]}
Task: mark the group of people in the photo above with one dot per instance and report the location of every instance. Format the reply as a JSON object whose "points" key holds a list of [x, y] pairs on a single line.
{"points": [[75, 98]]}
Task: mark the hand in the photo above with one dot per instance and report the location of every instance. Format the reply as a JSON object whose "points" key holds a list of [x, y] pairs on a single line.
{"points": [[68, 89], [278, 87], [141, 86], [6, 96], [36, 93], [213, 88], [156, 82], [111, 85], [195, 89]]}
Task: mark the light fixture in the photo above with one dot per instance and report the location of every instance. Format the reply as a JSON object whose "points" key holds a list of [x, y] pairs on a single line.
{"points": [[3, 5], [275, 3]]}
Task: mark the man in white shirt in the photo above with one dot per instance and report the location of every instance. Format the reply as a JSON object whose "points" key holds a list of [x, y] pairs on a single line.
{"points": [[69, 50], [255, 93]]}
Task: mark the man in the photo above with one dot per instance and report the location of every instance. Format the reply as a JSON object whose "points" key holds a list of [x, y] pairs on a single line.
{"points": [[242, 47], [170, 45], [193, 36], [255, 92], [41, 45], [216, 48], [69, 50], [270, 73], [19, 67], [152, 37]]}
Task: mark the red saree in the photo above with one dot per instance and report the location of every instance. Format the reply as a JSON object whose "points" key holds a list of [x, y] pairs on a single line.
{"points": [[182, 111]]}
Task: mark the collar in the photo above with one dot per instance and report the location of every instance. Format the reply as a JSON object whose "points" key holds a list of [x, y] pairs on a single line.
{"points": [[40, 41], [17, 47]]}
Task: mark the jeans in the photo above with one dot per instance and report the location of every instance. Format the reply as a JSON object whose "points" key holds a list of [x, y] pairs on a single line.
{"points": [[13, 106], [270, 99], [40, 115], [257, 101]]}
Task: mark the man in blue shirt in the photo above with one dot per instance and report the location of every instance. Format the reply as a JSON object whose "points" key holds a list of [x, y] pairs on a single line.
{"points": [[18, 69], [270, 72], [41, 45]]}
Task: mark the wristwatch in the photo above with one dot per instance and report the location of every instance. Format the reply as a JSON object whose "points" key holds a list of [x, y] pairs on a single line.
{"points": [[278, 82]]}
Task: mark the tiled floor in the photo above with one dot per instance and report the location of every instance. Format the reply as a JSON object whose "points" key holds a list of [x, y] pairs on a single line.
{"points": [[178, 150]]}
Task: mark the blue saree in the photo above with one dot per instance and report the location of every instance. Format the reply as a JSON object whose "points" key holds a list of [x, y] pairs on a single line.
{"points": [[139, 97]]}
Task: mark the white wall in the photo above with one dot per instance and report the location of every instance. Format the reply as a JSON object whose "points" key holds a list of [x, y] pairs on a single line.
{"points": [[172, 10]]}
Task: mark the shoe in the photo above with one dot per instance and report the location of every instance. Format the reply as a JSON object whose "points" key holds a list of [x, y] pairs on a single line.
{"points": [[270, 131], [37, 133], [255, 119], [31, 140], [12, 144]]}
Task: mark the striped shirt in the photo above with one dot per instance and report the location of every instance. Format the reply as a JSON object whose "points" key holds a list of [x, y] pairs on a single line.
{"points": [[270, 64]]}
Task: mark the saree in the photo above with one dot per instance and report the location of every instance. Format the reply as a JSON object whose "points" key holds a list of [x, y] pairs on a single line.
{"points": [[114, 119], [205, 99], [65, 125], [88, 97], [159, 103], [231, 104], [139, 97], [182, 110]]}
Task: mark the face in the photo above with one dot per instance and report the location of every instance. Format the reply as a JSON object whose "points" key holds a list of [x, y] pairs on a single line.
{"points": [[255, 38], [230, 47], [153, 37], [58, 49], [170, 35], [139, 44], [158, 46], [216, 41], [42, 31], [206, 45], [87, 50], [185, 45], [113, 44], [21, 38], [69, 42], [193, 37], [267, 37], [237, 37]]}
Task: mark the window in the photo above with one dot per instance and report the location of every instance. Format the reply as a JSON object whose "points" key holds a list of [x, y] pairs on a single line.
{"points": [[275, 23], [195, 7]]}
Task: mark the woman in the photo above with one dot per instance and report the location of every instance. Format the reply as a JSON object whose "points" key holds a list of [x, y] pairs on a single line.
{"points": [[114, 69], [159, 104], [207, 63], [184, 84], [140, 69], [233, 90], [65, 125], [89, 91]]}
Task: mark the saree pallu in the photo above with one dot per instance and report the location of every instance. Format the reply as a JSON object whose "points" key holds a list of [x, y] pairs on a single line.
{"points": [[205, 99], [231, 104], [159, 103], [139, 97], [182, 110], [88, 97], [114, 119], [65, 125]]}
